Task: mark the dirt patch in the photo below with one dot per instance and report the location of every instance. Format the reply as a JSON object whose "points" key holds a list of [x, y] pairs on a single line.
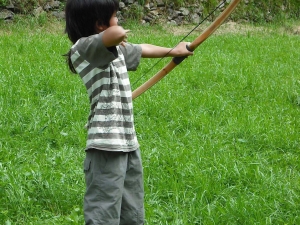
{"points": [[234, 28], [297, 30]]}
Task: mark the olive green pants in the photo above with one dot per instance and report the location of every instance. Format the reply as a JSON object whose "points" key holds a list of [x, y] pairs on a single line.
{"points": [[114, 188]]}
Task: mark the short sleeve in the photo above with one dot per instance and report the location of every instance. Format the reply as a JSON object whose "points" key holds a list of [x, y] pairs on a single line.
{"points": [[93, 50], [132, 54]]}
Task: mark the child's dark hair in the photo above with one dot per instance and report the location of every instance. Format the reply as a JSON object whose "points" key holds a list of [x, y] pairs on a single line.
{"points": [[82, 16]]}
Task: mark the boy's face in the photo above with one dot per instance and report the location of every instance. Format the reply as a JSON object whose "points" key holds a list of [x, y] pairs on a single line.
{"points": [[113, 20]]}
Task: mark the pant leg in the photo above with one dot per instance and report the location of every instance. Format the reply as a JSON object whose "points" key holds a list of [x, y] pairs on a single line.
{"points": [[104, 175], [132, 211]]}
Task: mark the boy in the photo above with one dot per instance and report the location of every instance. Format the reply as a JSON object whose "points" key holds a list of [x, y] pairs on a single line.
{"points": [[100, 55]]}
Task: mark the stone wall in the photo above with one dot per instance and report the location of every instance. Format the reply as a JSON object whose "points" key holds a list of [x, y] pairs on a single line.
{"points": [[153, 11], [36, 8]]}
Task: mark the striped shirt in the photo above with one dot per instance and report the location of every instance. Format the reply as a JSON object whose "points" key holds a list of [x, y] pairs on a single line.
{"points": [[104, 74]]}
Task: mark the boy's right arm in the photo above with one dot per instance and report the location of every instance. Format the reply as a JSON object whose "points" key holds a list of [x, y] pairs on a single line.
{"points": [[114, 35]]}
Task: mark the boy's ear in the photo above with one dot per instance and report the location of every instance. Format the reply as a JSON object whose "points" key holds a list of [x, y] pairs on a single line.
{"points": [[99, 27]]}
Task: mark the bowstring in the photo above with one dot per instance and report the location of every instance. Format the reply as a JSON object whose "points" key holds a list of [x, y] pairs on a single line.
{"points": [[202, 21]]}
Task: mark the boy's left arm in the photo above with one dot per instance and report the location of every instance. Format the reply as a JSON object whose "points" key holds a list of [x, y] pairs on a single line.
{"points": [[153, 51]]}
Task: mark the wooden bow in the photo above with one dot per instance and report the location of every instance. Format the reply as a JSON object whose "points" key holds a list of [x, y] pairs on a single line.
{"points": [[176, 61]]}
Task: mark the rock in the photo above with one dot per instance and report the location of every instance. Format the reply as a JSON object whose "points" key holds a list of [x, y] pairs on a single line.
{"points": [[160, 3], [297, 30], [54, 4], [174, 14], [222, 4], [171, 5], [122, 5], [172, 22], [6, 14], [195, 18], [184, 11], [38, 11], [198, 10], [59, 15], [147, 6], [179, 20], [155, 13], [151, 4], [147, 19], [47, 7], [10, 6]]}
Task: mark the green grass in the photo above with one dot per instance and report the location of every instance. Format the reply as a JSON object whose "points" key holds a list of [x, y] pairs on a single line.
{"points": [[219, 135]]}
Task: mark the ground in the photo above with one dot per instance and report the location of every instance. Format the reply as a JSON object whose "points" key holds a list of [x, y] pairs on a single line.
{"points": [[291, 28], [233, 27]]}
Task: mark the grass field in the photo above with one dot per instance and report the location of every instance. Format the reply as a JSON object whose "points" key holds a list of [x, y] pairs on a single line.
{"points": [[219, 135]]}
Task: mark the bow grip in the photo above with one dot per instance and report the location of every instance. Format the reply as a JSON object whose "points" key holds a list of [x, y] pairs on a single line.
{"points": [[178, 60]]}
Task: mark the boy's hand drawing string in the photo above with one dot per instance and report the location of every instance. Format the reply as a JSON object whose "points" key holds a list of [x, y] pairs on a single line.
{"points": [[176, 61]]}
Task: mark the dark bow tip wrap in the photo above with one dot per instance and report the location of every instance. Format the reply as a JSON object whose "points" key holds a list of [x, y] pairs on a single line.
{"points": [[178, 60]]}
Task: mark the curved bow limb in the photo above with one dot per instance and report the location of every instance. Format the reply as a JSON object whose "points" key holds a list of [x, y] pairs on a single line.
{"points": [[176, 61]]}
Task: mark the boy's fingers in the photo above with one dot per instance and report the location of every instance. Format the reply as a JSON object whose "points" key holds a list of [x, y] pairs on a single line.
{"points": [[187, 44], [127, 31]]}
